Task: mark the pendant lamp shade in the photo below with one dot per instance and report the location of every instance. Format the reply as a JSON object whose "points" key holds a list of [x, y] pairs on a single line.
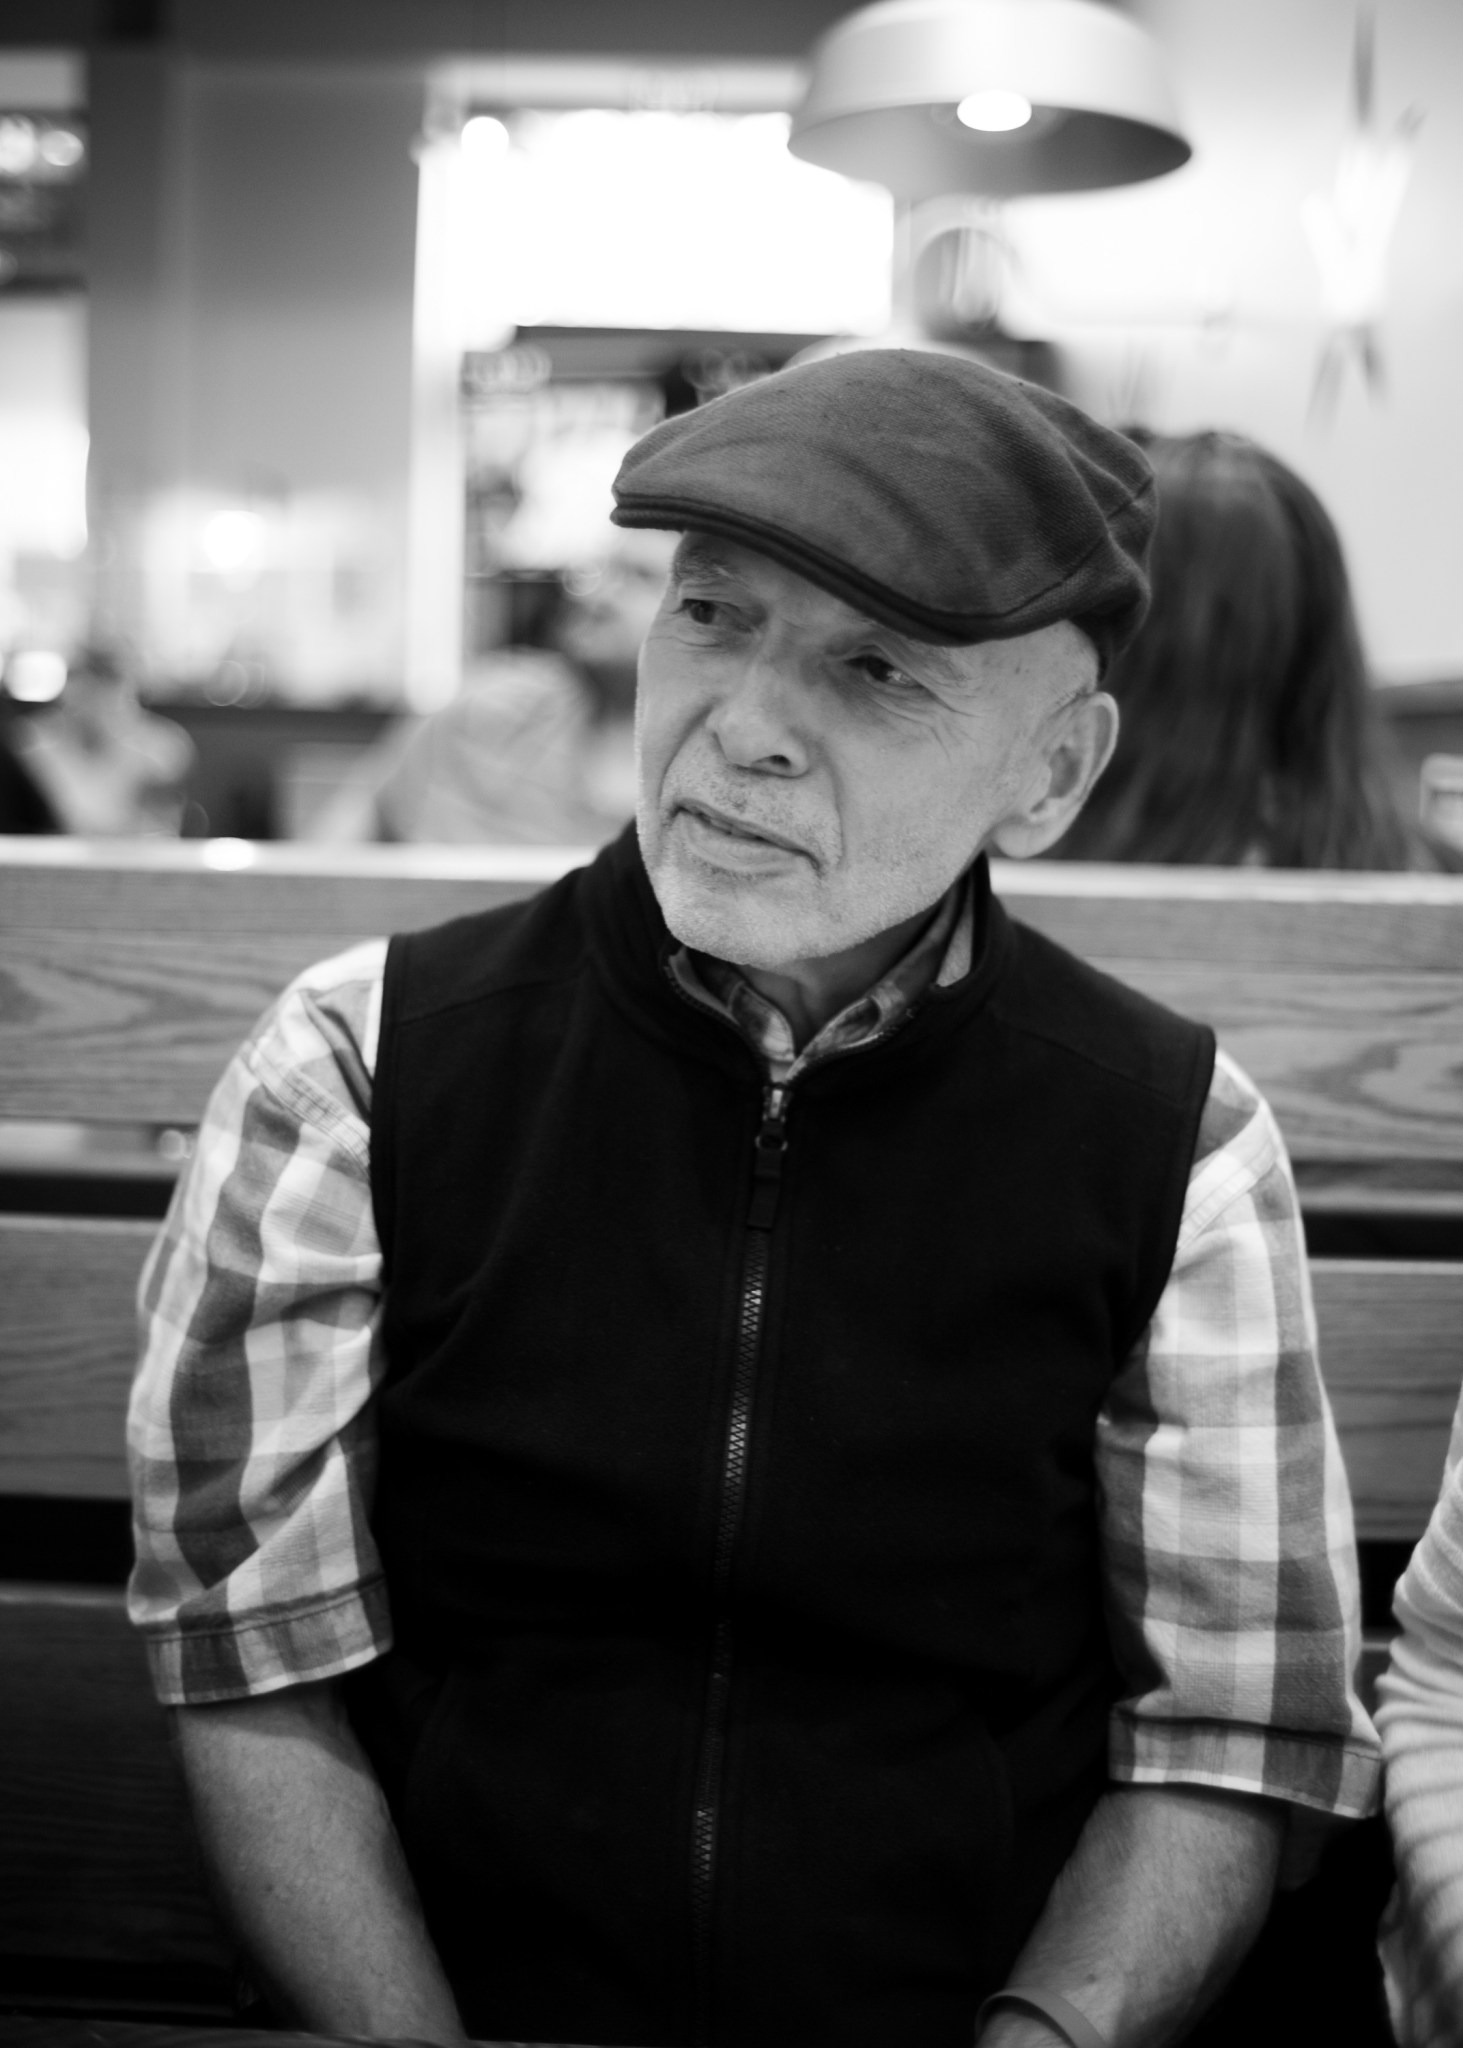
{"points": [[998, 97]]}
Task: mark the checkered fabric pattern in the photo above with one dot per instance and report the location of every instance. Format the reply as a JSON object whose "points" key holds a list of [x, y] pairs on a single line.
{"points": [[1230, 1564]]}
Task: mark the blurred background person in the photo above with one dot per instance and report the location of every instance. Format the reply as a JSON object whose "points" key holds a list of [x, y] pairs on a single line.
{"points": [[24, 805], [1420, 1719], [92, 761], [538, 747], [1250, 731]]}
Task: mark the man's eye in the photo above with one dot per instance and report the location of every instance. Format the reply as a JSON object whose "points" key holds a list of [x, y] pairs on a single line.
{"points": [[701, 611], [875, 668]]}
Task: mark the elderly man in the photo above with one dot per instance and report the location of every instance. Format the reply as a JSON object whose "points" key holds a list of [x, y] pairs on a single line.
{"points": [[733, 1454]]}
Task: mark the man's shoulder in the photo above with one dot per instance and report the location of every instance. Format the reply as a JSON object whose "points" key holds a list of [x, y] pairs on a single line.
{"points": [[327, 1019], [1090, 1015], [536, 939]]}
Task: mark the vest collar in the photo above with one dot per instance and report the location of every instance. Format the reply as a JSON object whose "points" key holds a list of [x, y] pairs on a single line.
{"points": [[632, 947]]}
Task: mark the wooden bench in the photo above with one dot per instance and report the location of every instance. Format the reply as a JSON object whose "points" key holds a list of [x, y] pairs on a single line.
{"points": [[129, 973]]}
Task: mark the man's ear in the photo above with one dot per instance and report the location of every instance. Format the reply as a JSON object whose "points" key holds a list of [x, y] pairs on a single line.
{"points": [[1075, 754]]}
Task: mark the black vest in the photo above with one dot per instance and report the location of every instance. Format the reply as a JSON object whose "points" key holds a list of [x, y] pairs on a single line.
{"points": [[736, 1495]]}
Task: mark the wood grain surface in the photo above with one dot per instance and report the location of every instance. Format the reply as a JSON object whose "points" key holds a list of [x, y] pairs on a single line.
{"points": [[1355, 923], [67, 1350], [1392, 1354], [96, 1854], [135, 1027], [126, 983], [1391, 1349], [124, 989]]}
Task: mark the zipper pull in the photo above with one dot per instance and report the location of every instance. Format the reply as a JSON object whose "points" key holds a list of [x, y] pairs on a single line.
{"points": [[768, 1152]]}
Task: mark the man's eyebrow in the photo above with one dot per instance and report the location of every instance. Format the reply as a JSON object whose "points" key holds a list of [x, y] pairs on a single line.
{"points": [[697, 555]]}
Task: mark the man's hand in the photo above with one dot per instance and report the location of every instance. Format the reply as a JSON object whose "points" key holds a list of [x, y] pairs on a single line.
{"points": [[1165, 1891], [307, 1866]]}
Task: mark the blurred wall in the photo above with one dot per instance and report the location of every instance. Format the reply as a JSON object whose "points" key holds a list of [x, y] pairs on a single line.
{"points": [[300, 197], [252, 248], [1196, 301], [253, 234], [252, 238]]}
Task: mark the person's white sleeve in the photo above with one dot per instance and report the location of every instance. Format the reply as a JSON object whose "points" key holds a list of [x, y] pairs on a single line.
{"points": [[1421, 1722]]}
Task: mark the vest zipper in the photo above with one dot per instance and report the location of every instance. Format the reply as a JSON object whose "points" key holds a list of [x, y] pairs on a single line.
{"points": [[769, 1150]]}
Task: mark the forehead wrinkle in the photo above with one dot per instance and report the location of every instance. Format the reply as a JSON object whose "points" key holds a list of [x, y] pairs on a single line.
{"points": [[931, 657], [704, 554]]}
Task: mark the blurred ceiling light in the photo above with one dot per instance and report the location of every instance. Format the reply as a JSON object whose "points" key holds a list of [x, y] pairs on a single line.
{"points": [[485, 137], [995, 111], [228, 856], [61, 148], [572, 224], [889, 89], [35, 675], [233, 540], [18, 146]]}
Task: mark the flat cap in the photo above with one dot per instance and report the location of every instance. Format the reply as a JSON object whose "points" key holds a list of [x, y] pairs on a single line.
{"points": [[930, 492]]}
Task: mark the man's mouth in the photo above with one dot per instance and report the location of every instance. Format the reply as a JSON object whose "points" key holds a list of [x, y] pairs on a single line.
{"points": [[738, 828]]}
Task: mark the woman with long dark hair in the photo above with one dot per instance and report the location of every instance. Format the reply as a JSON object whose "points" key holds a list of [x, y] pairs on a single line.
{"points": [[1250, 732]]}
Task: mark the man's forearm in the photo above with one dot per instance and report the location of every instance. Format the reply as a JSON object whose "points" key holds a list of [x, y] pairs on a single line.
{"points": [[303, 1854], [1165, 1891]]}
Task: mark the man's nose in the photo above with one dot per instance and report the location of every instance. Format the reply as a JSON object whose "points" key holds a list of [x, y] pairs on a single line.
{"points": [[758, 720]]}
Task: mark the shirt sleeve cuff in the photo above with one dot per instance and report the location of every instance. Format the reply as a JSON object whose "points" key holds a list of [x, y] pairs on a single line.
{"points": [[1327, 1774], [238, 1658]]}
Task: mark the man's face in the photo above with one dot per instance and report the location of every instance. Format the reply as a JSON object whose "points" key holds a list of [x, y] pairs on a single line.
{"points": [[808, 779]]}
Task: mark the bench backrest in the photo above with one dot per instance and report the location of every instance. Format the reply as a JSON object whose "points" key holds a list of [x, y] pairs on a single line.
{"points": [[128, 975]]}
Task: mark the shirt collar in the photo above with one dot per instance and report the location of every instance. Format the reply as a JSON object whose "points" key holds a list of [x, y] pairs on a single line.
{"points": [[937, 957]]}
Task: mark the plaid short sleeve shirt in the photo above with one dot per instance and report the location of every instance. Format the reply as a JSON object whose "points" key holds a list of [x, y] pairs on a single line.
{"points": [[1226, 1522]]}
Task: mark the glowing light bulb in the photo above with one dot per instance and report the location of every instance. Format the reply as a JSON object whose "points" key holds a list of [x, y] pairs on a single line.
{"points": [[17, 145], [994, 112], [60, 148], [233, 540], [227, 856], [485, 137], [35, 675]]}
